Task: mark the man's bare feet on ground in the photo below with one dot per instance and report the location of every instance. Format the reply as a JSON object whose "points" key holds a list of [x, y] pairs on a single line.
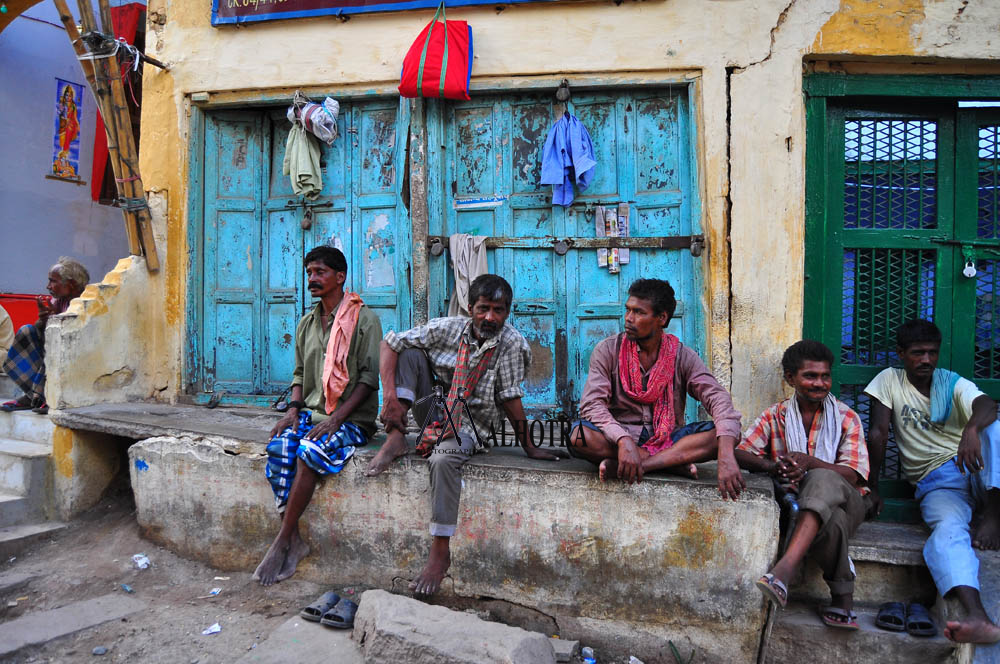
{"points": [[972, 631], [297, 550], [987, 534], [269, 568], [684, 470], [608, 470], [429, 580], [391, 450]]}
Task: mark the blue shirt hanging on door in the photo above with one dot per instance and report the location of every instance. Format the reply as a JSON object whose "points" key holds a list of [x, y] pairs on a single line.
{"points": [[567, 158]]}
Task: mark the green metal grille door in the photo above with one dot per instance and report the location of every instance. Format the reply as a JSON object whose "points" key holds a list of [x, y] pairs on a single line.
{"points": [[977, 249], [902, 222]]}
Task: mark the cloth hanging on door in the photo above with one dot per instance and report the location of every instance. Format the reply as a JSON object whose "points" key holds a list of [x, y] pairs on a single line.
{"points": [[318, 119], [468, 261], [567, 159], [301, 162]]}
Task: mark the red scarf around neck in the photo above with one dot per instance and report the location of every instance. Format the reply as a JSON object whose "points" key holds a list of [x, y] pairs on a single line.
{"points": [[659, 389]]}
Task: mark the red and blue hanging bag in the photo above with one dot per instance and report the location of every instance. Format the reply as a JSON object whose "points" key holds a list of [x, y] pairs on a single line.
{"points": [[439, 63]]}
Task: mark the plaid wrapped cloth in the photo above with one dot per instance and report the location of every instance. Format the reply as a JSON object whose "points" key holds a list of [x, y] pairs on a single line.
{"points": [[326, 456], [25, 363]]}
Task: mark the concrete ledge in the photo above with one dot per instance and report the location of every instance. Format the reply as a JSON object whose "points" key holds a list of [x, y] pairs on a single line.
{"points": [[613, 565]]}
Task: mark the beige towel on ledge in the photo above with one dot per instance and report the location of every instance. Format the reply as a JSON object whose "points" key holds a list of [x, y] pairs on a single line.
{"points": [[468, 261]]}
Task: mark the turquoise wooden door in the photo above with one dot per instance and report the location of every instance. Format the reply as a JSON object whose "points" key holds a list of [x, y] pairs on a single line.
{"points": [[254, 239], [485, 181]]}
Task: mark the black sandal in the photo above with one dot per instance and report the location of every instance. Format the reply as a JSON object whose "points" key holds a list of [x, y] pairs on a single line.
{"points": [[891, 617], [315, 611], [918, 621], [340, 616]]}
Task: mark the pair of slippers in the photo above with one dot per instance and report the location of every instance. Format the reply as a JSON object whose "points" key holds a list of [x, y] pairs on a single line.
{"points": [[331, 610], [24, 404], [912, 618]]}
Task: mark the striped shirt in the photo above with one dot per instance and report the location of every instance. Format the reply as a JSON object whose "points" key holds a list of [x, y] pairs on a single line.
{"points": [[766, 437], [501, 381]]}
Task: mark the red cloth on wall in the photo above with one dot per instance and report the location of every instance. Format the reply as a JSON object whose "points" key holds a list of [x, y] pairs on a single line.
{"points": [[125, 20]]}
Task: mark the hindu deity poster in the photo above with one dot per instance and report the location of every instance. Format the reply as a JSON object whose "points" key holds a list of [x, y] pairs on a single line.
{"points": [[66, 141]]}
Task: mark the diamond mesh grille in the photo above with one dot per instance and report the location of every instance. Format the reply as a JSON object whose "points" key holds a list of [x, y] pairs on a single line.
{"points": [[987, 356], [882, 289], [890, 178], [855, 397], [989, 183]]}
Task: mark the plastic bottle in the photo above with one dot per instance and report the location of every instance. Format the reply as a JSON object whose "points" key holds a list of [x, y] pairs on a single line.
{"points": [[588, 655]]}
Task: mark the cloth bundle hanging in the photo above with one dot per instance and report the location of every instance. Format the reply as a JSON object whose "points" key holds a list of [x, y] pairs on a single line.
{"points": [[318, 119], [301, 162], [567, 159], [468, 261], [439, 62]]}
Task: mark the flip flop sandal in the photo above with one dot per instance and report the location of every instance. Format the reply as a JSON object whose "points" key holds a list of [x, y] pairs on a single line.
{"points": [[843, 620], [17, 404], [340, 616], [314, 612], [918, 621], [41, 410], [891, 617], [774, 589]]}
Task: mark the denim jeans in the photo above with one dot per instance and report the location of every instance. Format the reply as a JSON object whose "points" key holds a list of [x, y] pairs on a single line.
{"points": [[947, 500]]}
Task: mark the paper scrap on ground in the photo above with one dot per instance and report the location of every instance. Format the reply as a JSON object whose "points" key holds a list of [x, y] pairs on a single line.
{"points": [[214, 629], [140, 560]]}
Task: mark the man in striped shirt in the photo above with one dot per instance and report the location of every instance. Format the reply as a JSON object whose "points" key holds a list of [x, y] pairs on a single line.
{"points": [[813, 445]]}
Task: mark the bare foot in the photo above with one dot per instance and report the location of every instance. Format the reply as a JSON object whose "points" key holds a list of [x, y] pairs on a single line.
{"points": [[438, 562], [608, 470], [972, 631], [684, 470], [987, 533], [297, 550], [394, 447], [274, 559]]}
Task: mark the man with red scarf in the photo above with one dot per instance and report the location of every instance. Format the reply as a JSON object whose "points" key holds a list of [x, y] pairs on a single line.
{"points": [[634, 398]]}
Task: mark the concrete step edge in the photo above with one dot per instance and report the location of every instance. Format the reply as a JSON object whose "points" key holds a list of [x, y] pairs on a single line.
{"points": [[24, 448]]}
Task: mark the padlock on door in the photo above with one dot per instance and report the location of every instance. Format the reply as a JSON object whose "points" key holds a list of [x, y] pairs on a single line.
{"points": [[970, 269]]}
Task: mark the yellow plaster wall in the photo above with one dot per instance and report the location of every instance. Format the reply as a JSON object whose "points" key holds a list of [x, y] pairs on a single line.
{"points": [[761, 43]]}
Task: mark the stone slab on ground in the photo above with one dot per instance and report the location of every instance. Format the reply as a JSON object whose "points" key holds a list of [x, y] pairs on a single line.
{"points": [[305, 642], [564, 649], [14, 581], [989, 590], [14, 539], [43, 626], [800, 624], [392, 628]]}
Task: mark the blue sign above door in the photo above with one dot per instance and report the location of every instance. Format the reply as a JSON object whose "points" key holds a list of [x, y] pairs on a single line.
{"points": [[225, 12]]}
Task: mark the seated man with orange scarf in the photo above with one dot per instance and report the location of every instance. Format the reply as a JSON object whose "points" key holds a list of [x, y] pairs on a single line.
{"points": [[634, 398], [333, 404]]}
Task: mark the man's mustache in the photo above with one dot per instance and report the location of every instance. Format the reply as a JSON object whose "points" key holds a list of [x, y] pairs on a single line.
{"points": [[314, 284]]}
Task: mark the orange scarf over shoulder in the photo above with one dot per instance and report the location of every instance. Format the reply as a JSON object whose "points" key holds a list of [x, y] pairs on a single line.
{"points": [[335, 376]]}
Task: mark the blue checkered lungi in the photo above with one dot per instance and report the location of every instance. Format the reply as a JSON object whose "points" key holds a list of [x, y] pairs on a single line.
{"points": [[25, 363], [326, 456]]}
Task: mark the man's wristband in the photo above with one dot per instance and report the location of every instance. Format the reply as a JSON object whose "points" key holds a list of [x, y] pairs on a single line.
{"points": [[298, 405]]}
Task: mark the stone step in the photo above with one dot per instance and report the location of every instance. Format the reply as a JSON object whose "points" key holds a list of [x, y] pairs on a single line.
{"points": [[8, 390], [14, 539], [43, 626], [16, 510], [25, 468], [25, 425], [798, 627], [889, 561]]}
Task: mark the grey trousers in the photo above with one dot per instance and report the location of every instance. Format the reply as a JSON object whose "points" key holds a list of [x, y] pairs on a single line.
{"points": [[841, 509], [415, 380]]}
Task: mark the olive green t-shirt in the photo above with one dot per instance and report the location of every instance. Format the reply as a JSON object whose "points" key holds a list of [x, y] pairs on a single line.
{"points": [[362, 364]]}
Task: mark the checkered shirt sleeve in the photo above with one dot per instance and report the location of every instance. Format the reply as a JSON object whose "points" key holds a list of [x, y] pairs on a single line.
{"points": [[512, 365], [853, 452], [766, 436]]}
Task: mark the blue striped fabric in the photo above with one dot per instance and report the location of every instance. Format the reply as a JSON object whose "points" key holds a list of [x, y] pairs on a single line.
{"points": [[326, 456], [25, 363]]}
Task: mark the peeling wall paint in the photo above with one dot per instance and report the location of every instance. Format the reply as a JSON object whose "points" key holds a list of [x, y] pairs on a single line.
{"points": [[745, 62]]}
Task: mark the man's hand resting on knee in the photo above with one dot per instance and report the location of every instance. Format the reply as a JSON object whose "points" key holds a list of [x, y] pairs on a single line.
{"points": [[393, 414]]}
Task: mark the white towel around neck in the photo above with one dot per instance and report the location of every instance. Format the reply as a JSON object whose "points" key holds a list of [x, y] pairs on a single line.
{"points": [[797, 439]]}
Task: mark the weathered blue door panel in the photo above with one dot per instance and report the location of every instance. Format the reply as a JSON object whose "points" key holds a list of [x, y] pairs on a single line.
{"points": [[487, 184], [254, 291]]}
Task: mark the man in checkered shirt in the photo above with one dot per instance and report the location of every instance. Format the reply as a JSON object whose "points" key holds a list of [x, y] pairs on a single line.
{"points": [[482, 359], [813, 445]]}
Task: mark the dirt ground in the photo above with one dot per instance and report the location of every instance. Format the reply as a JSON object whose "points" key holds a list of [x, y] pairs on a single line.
{"points": [[93, 557]]}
